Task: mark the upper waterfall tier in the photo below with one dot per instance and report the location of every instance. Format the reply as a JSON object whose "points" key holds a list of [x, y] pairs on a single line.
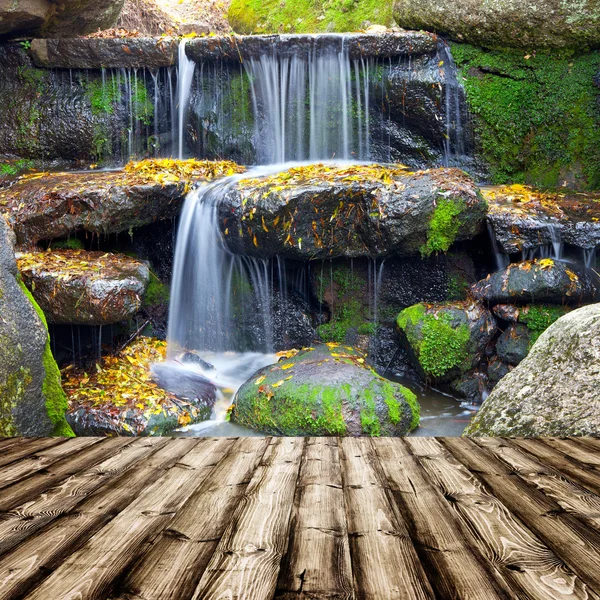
{"points": [[97, 53]]}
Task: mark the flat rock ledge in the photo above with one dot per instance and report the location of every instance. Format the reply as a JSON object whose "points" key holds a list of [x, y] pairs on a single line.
{"points": [[75, 287]]}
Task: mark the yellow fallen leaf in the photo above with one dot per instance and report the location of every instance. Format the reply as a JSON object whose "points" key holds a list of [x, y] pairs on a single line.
{"points": [[260, 380], [284, 367], [280, 382]]}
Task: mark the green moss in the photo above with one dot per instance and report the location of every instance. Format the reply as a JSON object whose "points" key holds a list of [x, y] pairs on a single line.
{"points": [[438, 344], [368, 417], [16, 167], [56, 401], [458, 287], [306, 16], [443, 226], [70, 244], [11, 391], [157, 293], [104, 97], [539, 317], [537, 118]]}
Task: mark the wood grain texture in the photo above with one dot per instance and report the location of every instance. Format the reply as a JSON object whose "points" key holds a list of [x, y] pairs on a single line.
{"points": [[88, 573], [450, 555], [174, 564], [39, 555], [247, 560], [26, 446], [317, 563], [576, 549], [384, 561]]}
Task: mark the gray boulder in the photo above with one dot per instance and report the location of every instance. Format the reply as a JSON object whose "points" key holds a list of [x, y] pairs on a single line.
{"points": [[539, 281], [32, 402], [325, 211], [325, 390], [74, 287], [555, 390], [513, 345], [502, 23]]}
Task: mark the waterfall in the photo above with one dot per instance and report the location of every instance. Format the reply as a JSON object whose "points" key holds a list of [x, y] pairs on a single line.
{"points": [[185, 76], [502, 260], [589, 257]]}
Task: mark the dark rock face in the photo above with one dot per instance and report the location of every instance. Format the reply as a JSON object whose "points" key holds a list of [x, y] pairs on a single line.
{"points": [[525, 219], [58, 205], [541, 24], [446, 340], [96, 53], [497, 370], [326, 390], [84, 288], [329, 212], [513, 345], [538, 282], [32, 402], [66, 18], [554, 391]]}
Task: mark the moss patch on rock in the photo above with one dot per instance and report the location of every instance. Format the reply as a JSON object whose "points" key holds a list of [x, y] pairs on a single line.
{"points": [[307, 16], [537, 114], [443, 226], [538, 318]]}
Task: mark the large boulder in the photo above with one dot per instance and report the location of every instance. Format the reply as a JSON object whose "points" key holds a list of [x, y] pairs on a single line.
{"points": [[49, 18], [74, 287], [523, 218], [539, 281], [501, 23], [447, 340], [53, 206], [325, 390], [329, 211], [32, 402], [554, 391]]}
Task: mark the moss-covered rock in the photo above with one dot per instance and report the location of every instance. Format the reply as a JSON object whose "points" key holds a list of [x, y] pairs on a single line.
{"points": [[537, 116], [307, 16], [32, 402], [445, 340], [554, 391], [326, 390]]}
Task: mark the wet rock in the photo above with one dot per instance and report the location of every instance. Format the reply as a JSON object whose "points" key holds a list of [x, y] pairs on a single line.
{"points": [[96, 53], [513, 345], [185, 383], [554, 391], [32, 402], [332, 211], [325, 390], [541, 24], [293, 322], [445, 341], [497, 370], [523, 218], [539, 281], [47, 18], [358, 45], [74, 287], [507, 312], [191, 358]]}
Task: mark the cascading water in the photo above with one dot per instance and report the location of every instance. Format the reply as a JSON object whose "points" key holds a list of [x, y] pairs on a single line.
{"points": [[185, 75]]}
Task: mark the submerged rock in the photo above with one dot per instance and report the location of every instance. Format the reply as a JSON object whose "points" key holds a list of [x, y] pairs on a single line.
{"points": [[554, 391], [513, 345], [32, 402], [51, 206], [327, 211], [446, 340], [539, 281], [325, 390], [74, 287], [523, 218], [502, 23]]}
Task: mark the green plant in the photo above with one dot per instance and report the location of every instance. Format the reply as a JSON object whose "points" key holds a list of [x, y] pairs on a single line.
{"points": [[443, 226], [25, 44], [539, 317]]}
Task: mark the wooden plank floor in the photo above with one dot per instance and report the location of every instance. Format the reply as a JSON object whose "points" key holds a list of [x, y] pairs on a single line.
{"points": [[299, 518]]}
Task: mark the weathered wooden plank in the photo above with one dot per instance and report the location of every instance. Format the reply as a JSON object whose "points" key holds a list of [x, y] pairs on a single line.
{"points": [[573, 543], [10, 442], [27, 446], [317, 563], [247, 560], [452, 559], [90, 572], [174, 564], [26, 519], [37, 461], [39, 555], [574, 450], [384, 561], [529, 566], [586, 475], [571, 496]]}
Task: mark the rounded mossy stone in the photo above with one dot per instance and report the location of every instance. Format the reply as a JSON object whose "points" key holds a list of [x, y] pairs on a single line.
{"points": [[307, 16], [325, 390]]}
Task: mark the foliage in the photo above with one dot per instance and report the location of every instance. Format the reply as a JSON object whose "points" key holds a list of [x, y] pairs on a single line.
{"points": [[16, 167], [69, 244], [306, 16], [443, 226], [538, 116], [539, 317], [439, 344], [157, 293]]}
